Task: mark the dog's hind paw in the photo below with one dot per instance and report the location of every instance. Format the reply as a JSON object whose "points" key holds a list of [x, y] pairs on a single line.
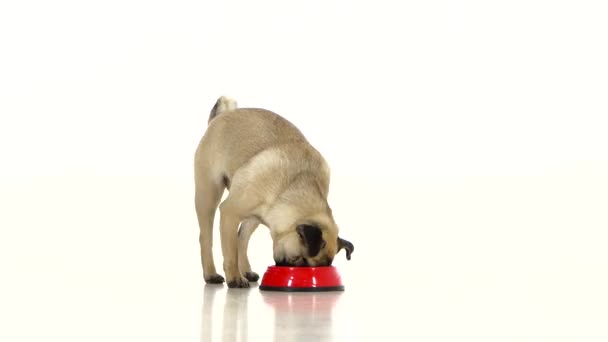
{"points": [[238, 283], [252, 276], [214, 279]]}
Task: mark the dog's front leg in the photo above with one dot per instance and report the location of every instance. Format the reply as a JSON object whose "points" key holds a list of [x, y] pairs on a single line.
{"points": [[247, 228], [229, 223]]}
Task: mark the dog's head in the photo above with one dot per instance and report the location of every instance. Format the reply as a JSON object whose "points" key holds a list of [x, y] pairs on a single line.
{"points": [[309, 244]]}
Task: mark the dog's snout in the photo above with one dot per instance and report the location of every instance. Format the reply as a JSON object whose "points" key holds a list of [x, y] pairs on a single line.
{"points": [[291, 262], [281, 262], [327, 261]]}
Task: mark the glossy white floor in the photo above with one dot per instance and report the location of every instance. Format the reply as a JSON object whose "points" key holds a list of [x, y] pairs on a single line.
{"points": [[486, 260]]}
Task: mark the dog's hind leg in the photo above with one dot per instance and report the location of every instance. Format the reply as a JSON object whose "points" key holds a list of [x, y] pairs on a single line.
{"points": [[245, 230], [207, 198]]}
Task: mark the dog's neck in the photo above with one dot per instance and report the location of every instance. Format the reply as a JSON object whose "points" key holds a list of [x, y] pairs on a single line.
{"points": [[284, 216]]}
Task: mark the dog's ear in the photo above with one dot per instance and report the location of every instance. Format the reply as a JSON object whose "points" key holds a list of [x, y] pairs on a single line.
{"points": [[312, 237], [348, 247]]}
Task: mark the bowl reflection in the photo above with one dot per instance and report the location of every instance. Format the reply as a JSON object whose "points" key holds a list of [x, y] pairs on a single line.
{"points": [[301, 316]]}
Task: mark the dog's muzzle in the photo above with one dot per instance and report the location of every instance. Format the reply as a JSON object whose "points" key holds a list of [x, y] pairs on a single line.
{"points": [[292, 262]]}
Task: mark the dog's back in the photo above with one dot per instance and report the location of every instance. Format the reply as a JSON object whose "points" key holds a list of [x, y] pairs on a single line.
{"points": [[267, 150], [235, 135]]}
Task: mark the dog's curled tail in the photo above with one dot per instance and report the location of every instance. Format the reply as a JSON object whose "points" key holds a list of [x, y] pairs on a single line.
{"points": [[222, 104]]}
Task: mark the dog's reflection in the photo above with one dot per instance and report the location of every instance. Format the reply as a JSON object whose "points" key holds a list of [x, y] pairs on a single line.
{"points": [[234, 320], [297, 316], [302, 316]]}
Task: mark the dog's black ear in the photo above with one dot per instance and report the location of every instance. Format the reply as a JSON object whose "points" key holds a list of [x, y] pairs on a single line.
{"points": [[312, 237], [348, 247]]}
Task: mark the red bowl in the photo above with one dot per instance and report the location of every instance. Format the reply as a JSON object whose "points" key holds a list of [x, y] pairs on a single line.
{"points": [[301, 279]]}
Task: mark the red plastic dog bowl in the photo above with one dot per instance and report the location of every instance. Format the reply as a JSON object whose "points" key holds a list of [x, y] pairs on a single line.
{"points": [[301, 279]]}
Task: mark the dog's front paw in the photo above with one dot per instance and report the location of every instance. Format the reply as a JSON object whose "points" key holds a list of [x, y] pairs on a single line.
{"points": [[252, 276], [239, 282], [214, 279]]}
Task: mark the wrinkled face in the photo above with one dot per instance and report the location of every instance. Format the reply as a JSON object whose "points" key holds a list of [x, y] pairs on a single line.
{"points": [[309, 245]]}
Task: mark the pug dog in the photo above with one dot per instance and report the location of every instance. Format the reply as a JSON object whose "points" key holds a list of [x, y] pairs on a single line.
{"points": [[275, 178]]}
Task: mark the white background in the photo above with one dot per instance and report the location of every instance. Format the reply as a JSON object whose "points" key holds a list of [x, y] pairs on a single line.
{"points": [[468, 144]]}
